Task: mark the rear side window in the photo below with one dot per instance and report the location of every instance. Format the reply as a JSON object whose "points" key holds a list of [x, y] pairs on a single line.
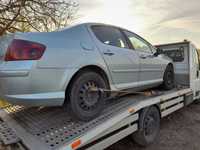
{"points": [[110, 36]]}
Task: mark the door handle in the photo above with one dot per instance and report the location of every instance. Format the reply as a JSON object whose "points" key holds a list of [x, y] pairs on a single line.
{"points": [[143, 56], [108, 52], [146, 56]]}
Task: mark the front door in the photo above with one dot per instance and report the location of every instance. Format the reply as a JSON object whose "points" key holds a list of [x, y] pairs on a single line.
{"points": [[151, 67], [122, 62]]}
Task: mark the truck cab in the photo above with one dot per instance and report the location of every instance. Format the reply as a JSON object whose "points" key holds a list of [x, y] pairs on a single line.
{"points": [[186, 64]]}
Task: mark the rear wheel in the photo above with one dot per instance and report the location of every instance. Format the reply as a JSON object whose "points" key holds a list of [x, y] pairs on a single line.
{"points": [[168, 79], [84, 103], [149, 126]]}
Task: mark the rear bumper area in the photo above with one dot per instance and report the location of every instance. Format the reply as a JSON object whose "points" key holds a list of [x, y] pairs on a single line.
{"points": [[19, 88], [41, 99], [24, 83]]}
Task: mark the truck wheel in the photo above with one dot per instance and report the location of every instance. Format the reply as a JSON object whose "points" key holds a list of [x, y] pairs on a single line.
{"points": [[149, 126], [84, 104], [168, 79]]}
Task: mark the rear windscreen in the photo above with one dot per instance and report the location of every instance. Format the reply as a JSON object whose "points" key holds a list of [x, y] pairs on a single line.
{"points": [[177, 55]]}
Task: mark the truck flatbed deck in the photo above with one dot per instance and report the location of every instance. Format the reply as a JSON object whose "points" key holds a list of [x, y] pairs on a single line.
{"points": [[53, 128]]}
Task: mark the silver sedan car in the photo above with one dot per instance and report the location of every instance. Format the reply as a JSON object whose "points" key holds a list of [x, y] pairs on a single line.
{"points": [[61, 68]]}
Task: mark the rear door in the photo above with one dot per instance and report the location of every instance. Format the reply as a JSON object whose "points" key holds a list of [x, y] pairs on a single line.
{"points": [[151, 67], [122, 62]]}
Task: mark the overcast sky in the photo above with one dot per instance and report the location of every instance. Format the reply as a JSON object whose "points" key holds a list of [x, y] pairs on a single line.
{"points": [[159, 21]]}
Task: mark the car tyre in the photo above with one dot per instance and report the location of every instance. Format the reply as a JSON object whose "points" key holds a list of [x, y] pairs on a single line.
{"points": [[149, 126], [85, 104], [168, 79]]}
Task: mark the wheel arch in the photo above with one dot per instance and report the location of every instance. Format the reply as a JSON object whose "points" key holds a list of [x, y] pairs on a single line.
{"points": [[166, 65], [170, 64], [157, 106], [93, 68]]}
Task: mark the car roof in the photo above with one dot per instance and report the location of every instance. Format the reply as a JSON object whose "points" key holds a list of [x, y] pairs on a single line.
{"points": [[90, 24]]}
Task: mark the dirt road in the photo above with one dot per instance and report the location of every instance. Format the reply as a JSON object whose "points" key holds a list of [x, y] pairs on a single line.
{"points": [[179, 131]]}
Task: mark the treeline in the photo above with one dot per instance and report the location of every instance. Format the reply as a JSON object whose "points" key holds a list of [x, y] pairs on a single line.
{"points": [[35, 15]]}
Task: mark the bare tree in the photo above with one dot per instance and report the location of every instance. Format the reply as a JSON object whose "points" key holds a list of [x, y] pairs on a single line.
{"points": [[35, 15]]}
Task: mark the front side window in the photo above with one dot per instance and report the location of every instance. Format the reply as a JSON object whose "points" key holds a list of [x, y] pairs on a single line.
{"points": [[138, 43], [110, 36]]}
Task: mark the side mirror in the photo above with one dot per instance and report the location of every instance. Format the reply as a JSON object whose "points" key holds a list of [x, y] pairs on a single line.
{"points": [[158, 52]]}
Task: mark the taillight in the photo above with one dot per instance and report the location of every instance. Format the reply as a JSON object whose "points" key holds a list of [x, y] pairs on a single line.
{"points": [[24, 50]]}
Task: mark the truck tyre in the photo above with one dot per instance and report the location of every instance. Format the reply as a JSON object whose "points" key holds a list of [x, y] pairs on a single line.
{"points": [[168, 79], [85, 104], [149, 126]]}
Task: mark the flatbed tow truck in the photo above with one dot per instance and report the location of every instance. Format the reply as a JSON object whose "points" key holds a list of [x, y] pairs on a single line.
{"points": [[53, 128]]}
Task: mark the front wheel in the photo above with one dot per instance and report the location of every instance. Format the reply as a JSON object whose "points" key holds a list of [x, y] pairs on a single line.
{"points": [[85, 104], [168, 79]]}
